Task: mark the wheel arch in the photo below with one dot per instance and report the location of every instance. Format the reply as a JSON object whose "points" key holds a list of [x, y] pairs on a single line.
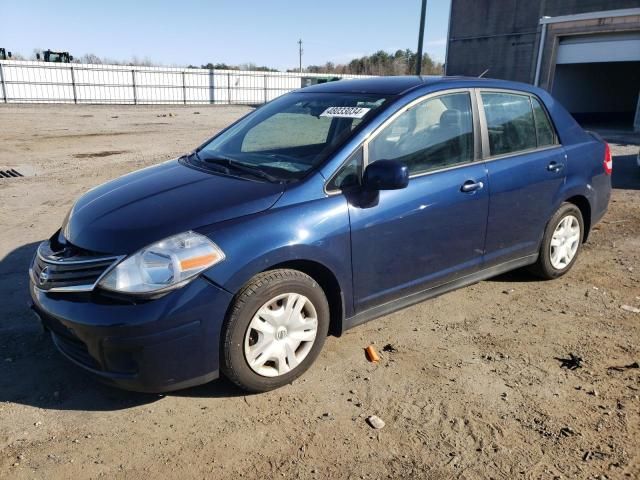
{"points": [[329, 284], [584, 206]]}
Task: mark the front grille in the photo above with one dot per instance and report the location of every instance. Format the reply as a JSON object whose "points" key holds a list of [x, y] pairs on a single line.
{"points": [[68, 270]]}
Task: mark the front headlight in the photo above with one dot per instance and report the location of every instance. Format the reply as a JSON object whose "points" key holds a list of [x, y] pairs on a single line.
{"points": [[164, 265]]}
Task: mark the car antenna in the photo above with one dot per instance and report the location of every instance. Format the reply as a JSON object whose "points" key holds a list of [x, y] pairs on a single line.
{"points": [[483, 73]]}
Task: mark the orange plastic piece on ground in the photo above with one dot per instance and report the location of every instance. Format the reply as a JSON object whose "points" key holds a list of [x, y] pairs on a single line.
{"points": [[372, 355]]}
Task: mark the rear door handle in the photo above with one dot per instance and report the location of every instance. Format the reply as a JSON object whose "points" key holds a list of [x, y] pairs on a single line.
{"points": [[555, 166], [471, 186]]}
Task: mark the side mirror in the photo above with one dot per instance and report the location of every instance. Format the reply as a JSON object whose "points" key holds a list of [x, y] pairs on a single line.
{"points": [[71, 58], [9, 54], [386, 175], [37, 56]]}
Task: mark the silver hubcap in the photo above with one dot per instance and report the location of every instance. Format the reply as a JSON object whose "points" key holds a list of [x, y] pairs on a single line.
{"points": [[280, 335], [564, 242]]}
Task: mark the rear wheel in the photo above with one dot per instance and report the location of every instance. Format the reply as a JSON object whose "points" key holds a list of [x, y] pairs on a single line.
{"points": [[561, 242], [275, 331]]}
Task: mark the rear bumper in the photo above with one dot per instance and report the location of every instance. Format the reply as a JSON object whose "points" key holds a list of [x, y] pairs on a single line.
{"points": [[600, 204], [153, 346]]}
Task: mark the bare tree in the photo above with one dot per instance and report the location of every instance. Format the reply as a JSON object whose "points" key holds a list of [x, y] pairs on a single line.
{"points": [[91, 58], [402, 62]]}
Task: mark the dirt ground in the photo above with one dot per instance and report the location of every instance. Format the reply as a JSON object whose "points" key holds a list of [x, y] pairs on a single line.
{"points": [[474, 389]]}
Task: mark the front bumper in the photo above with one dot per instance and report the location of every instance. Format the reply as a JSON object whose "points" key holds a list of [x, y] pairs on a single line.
{"points": [[164, 344]]}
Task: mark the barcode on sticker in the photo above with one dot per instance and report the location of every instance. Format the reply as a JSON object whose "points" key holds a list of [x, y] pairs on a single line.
{"points": [[345, 112]]}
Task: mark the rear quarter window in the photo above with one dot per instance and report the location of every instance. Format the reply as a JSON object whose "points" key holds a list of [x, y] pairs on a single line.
{"points": [[544, 130]]}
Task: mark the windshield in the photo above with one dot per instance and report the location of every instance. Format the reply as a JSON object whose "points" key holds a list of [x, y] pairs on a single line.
{"points": [[290, 136]]}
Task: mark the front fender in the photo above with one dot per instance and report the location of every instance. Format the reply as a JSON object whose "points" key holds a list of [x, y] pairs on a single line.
{"points": [[316, 231]]}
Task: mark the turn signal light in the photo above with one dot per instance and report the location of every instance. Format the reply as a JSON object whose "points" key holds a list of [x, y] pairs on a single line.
{"points": [[201, 261]]}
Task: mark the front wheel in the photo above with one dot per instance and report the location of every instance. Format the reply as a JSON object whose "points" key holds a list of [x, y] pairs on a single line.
{"points": [[276, 329], [561, 242]]}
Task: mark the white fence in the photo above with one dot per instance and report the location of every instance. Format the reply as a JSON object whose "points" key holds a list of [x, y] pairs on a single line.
{"points": [[44, 82]]}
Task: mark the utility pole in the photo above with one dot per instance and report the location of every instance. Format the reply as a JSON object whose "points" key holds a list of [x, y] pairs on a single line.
{"points": [[300, 53], [421, 38]]}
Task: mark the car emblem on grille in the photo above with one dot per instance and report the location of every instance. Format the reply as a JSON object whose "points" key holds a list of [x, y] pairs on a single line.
{"points": [[44, 276]]}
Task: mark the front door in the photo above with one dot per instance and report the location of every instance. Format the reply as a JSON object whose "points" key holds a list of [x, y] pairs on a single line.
{"points": [[408, 240]]}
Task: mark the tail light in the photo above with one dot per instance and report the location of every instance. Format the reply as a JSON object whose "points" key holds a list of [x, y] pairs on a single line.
{"points": [[608, 161]]}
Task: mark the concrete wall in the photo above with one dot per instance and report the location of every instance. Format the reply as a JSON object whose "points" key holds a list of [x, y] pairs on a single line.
{"points": [[495, 35], [503, 35]]}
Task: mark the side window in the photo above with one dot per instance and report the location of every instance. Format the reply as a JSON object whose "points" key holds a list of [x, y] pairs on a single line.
{"points": [[350, 173], [433, 134], [509, 121], [544, 130]]}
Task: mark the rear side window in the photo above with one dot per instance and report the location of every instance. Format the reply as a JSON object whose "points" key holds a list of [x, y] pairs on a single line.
{"points": [[510, 122], [544, 130]]}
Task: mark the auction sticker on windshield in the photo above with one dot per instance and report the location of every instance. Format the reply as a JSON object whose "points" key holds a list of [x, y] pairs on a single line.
{"points": [[345, 112]]}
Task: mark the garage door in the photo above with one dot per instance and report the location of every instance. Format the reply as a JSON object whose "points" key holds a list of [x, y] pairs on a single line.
{"points": [[616, 47]]}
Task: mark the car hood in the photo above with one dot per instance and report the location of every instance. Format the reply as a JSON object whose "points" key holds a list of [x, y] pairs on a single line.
{"points": [[126, 214]]}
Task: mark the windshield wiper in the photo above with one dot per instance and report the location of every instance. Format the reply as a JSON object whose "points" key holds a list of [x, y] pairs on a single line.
{"points": [[232, 165], [217, 168]]}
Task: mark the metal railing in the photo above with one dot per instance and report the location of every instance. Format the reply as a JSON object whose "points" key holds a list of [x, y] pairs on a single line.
{"points": [[42, 82]]}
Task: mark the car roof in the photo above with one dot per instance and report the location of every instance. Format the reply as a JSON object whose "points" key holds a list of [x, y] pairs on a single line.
{"points": [[380, 85], [399, 85]]}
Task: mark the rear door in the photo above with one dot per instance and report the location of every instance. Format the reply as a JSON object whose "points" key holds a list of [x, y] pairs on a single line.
{"points": [[526, 167]]}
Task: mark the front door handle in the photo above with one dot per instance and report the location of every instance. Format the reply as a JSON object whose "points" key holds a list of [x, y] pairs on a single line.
{"points": [[555, 166], [471, 186]]}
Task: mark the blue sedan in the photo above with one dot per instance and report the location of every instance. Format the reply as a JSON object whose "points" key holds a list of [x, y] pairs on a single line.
{"points": [[321, 210]]}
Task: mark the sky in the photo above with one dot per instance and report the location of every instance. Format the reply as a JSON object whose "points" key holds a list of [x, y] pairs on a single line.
{"points": [[222, 31]]}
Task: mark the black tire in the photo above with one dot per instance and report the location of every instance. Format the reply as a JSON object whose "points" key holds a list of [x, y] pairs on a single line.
{"points": [[543, 267], [260, 289]]}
